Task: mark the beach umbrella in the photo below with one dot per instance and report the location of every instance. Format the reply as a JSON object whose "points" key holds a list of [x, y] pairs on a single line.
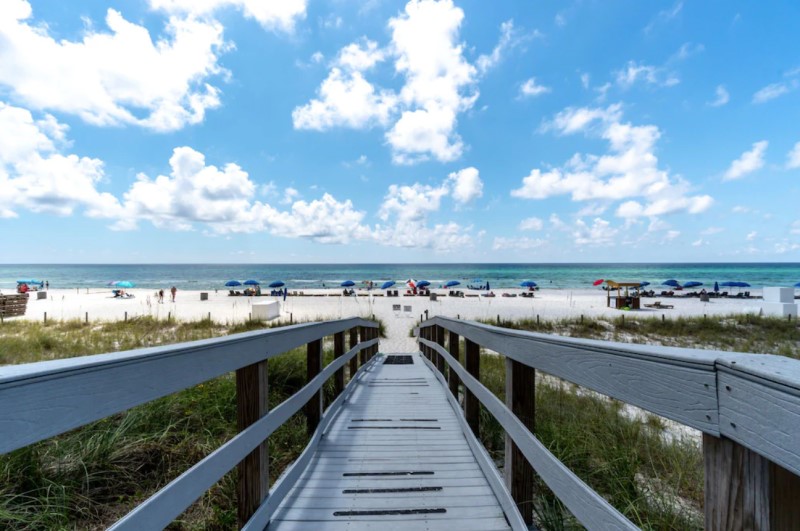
{"points": [[232, 283], [124, 284], [716, 287], [388, 284], [528, 284], [671, 282], [742, 285], [643, 284], [276, 284], [487, 286], [251, 283], [451, 283], [29, 281], [692, 284], [598, 282], [797, 285], [728, 284], [348, 284], [423, 283]]}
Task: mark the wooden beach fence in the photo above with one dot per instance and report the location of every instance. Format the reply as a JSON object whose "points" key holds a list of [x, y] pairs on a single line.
{"points": [[746, 405], [13, 305], [128, 379]]}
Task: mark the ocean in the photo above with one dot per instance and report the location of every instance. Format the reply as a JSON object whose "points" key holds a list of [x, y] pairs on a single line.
{"points": [[307, 276]]}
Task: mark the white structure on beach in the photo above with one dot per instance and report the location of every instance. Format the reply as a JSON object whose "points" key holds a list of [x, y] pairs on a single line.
{"points": [[779, 301]]}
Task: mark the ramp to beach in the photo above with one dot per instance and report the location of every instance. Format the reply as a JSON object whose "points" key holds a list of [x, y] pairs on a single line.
{"points": [[395, 457]]}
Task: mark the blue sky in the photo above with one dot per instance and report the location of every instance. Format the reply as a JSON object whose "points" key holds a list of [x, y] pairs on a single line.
{"points": [[378, 131]]}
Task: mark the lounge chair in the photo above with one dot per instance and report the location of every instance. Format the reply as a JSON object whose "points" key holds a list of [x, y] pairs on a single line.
{"points": [[509, 294], [658, 306]]}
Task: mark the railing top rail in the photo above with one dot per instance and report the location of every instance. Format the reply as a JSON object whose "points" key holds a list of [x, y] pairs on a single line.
{"points": [[10, 374], [43, 399], [768, 367]]}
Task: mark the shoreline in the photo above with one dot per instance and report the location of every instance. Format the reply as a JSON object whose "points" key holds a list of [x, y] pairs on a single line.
{"points": [[547, 304]]}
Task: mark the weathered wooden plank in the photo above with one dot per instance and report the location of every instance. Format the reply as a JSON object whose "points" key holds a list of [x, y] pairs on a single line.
{"points": [[472, 409], [679, 384], [338, 351], [591, 509], [314, 407], [452, 376], [353, 335], [761, 413], [252, 403], [439, 334], [43, 399], [166, 504], [473, 524], [521, 400]]}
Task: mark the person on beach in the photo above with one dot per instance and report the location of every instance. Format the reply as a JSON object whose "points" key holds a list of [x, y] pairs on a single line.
{"points": [[173, 290], [161, 296], [46, 284]]}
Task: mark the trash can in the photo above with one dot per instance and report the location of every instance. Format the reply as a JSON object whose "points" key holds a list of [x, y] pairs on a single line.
{"points": [[203, 296], [433, 296], [41, 295]]}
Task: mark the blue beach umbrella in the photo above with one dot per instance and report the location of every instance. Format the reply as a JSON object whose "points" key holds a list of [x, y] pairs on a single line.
{"points": [[423, 283], [716, 286], [644, 284], [388, 284], [671, 282], [692, 284], [124, 284], [451, 283], [797, 285], [29, 281], [742, 285], [232, 283], [276, 284], [528, 284], [347, 284], [728, 284], [252, 283]]}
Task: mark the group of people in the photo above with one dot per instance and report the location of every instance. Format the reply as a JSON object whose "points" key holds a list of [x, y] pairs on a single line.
{"points": [[160, 295]]}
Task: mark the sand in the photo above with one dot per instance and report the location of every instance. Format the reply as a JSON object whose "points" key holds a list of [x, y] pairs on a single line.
{"points": [[64, 304]]}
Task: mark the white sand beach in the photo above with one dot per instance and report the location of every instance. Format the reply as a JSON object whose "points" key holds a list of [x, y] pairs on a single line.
{"points": [[66, 304]]}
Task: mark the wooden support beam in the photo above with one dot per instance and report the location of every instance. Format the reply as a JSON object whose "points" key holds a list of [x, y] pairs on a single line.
{"points": [[362, 334], [471, 404], [440, 364], [338, 352], [521, 400], [744, 490], [252, 393], [313, 368], [354, 359], [453, 348]]}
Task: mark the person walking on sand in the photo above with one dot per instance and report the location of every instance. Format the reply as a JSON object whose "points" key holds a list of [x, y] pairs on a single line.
{"points": [[173, 290], [161, 296]]}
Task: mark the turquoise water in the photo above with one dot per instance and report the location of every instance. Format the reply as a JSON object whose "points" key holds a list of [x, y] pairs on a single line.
{"points": [[300, 276]]}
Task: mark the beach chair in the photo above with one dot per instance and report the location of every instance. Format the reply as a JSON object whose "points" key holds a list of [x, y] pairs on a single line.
{"points": [[407, 311], [396, 309], [658, 306]]}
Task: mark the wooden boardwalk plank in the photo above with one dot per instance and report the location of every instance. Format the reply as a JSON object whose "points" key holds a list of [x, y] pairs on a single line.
{"points": [[394, 458]]}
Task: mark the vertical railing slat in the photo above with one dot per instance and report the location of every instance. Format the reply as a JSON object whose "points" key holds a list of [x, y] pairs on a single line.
{"points": [[471, 404], [521, 400], [338, 352], [453, 348], [313, 366]]}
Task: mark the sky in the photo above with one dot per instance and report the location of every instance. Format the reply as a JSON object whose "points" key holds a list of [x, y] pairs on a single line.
{"points": [[370, 131]]}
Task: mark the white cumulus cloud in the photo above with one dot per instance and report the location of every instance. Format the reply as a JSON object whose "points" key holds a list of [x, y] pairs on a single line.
{"points": [[520, 244], [629, 169], [793, 157], [723, 97], [271, 14], [466, 185], [531, 224], [531, 89], [438, 85], [122, 76], [748, 162]]}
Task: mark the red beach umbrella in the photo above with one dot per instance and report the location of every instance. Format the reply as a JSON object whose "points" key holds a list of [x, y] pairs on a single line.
{"points": [[598, 282]]}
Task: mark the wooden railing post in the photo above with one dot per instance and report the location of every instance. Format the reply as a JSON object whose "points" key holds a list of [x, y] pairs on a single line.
{"points": [[354, 359], [744, 490], [521, 400], [338, 352], [252, 403], [471, 404], [313, 368], [453, 348], [362, 334], [440, 363]]}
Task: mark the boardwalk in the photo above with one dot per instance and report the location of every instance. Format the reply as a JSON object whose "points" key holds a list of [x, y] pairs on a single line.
{"points": [[395, 457]]}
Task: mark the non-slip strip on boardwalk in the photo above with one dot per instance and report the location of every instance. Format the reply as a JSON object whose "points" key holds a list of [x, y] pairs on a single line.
{"points": [[394, 460]]}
